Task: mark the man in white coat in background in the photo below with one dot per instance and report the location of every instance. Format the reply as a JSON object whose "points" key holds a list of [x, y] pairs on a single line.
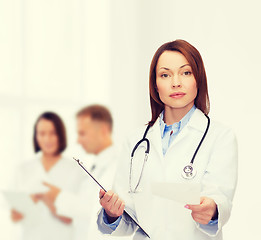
{"points": [[94, 126]]}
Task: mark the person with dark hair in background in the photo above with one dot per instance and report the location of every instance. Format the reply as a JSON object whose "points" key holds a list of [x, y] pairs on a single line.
{"points": [[94, 126], [34, 177], [181, 146]]}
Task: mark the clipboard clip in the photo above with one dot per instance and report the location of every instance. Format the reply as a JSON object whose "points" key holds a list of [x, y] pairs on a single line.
{"points": [[125, 212]]}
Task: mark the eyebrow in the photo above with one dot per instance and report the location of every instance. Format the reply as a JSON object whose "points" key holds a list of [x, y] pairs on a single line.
{"points": [[185, 65], [165, 68], [179, 67]]}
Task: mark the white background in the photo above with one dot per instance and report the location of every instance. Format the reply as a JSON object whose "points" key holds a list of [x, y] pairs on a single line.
{"points": [[61, 55]]}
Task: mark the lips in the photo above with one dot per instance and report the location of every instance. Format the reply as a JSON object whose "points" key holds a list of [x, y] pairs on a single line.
{"points": [[177, 95]]}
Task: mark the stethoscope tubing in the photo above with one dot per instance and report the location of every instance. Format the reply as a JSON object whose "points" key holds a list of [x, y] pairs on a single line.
{"points": [[201, 141], [145, 139]]}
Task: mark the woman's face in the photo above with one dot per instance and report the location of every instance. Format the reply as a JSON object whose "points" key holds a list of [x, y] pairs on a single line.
{"points": [[175, 81], [46, 137]]}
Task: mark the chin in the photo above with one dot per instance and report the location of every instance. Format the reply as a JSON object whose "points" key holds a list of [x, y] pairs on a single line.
{"points": [[181, 106], [177, 106], [51, 152]]}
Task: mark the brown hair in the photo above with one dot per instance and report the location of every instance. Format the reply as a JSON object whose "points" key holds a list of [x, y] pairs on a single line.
{"points": [[194, 58], [59, 128], [98, 113]]}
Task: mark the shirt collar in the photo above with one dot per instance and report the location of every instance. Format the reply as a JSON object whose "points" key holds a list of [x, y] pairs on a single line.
{"points": [[178, 125], [104, 156]]}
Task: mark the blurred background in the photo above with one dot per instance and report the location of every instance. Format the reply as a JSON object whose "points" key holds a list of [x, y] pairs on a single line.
{"points": [[61, 55]]}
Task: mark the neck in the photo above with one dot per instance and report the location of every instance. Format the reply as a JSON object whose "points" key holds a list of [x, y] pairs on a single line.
{"points": [[49, 160], [106, 143], [172, 115], [50, 157]]}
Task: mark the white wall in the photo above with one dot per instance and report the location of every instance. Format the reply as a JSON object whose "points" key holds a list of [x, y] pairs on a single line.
{"points": [[63, 54]]}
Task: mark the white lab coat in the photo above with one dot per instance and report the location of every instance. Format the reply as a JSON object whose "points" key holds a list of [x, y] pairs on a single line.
{"points": [[41, 224], [84, 205], [216, 164]]}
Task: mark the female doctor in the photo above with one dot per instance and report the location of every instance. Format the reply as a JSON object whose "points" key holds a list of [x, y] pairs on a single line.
{"points": [[185, 147]]}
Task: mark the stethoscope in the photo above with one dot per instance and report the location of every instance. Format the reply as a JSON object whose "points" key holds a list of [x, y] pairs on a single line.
{"points": [[188, 171]]}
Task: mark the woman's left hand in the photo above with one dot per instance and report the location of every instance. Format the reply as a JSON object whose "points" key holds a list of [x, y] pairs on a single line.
{"points": [[48, 197], [204, 212]]}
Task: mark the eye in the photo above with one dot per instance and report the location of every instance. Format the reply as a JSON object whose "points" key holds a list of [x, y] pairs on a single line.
{"points": [[187, 73], [164, 75], [53, 133], [41, 134]]}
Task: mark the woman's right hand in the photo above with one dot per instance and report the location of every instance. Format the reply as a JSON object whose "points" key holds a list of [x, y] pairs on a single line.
{"points": [[16, 216], [112, 204]]}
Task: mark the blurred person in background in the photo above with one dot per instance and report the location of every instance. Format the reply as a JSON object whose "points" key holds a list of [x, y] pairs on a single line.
{"points": [[34, 177], [94, 127]]}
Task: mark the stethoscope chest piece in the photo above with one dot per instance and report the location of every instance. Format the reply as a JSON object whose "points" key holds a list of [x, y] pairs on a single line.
{"points": [[189, 172]]}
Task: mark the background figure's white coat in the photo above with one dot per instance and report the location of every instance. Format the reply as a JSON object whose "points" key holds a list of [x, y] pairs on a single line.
{"points": [[62, 55]]}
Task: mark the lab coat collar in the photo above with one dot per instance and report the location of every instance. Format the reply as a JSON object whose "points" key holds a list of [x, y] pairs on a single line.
{"points": [[178, 125], [154, 136], [197, 121], [104, 156], [39, 156]]}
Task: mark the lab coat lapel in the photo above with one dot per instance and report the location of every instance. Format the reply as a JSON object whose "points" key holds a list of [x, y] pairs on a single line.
{"points": [[155, 138], [198, 121]]}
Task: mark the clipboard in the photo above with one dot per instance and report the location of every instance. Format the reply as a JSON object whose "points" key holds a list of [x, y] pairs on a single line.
{"points": [[19, 201], [125, 212]]}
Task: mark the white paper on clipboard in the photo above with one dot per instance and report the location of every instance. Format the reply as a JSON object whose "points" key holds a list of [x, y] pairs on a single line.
{"points": [[20, 201], [185, 193]]}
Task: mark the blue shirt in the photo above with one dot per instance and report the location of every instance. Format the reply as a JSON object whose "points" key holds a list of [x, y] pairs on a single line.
{"points": [[168, 133], [113, 225]]}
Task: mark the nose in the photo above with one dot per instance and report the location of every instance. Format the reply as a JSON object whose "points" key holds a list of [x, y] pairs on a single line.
{"points": [[176, 81]]}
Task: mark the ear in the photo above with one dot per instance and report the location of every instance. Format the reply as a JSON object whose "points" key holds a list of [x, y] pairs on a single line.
{"points": [[104, 128]]}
